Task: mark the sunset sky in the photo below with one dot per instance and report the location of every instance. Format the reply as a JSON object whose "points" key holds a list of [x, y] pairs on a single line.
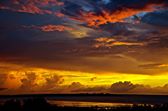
{"points": [[84, 46]]}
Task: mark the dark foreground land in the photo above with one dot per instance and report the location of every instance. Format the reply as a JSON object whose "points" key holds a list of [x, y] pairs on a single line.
{"points": [[39, 103], [110, 98]]}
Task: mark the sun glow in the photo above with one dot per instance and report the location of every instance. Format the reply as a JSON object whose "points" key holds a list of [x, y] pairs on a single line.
{"points": [[90, 79]]}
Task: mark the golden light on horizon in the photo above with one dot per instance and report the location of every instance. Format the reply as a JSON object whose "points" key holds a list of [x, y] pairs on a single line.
{"points": [[90, 79]]}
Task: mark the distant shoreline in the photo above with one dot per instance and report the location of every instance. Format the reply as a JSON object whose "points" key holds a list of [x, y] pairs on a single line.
{"points": [[110, 98], [81, 94]]}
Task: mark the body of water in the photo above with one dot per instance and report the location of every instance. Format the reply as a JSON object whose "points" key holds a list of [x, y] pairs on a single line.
{"points": [[85, 104]]}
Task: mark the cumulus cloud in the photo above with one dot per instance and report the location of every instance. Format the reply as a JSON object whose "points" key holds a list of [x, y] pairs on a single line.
{"points": [[29, 82], [52, 82], [3, 78], [75, 85], [127, 87], [38, 82], [122, 87]]}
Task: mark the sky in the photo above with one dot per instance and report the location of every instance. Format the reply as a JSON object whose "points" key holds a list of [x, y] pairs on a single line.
{"points": [[84, 46]]}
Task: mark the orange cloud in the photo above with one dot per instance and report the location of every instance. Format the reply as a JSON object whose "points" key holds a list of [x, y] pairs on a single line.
{"points": [[110, 42], [126, 43], [163, 65], [53, 81], [59, 14], [51, 28], [3, 78], [46, 2], [32, 6], [104, 39], [93, 19]]}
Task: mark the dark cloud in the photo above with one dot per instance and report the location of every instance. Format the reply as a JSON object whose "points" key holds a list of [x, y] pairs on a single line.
{"points": [[133, 3], [75, 86], [24, 45], [156, 65], [122, 87], [121, 9], [2, 89], [93, 78], [156, 18], [25, 19]]}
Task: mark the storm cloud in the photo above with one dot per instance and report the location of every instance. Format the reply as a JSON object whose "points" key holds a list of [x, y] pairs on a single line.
{"points": [[102, 37]]}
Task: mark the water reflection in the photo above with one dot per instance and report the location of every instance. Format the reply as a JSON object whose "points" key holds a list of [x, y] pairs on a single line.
{"points": [[85, 104]]}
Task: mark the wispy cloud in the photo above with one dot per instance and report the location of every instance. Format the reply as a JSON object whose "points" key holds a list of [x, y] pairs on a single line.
{"points": [[110, 42]]}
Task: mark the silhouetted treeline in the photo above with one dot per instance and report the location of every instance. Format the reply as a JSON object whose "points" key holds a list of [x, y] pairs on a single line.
{"points": [[40, 104], [115, 98]]}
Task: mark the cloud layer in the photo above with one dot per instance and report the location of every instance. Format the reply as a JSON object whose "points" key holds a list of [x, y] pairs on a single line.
{"points": [[90, 36]]}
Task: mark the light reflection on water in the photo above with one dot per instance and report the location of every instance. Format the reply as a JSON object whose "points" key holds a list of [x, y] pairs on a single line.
{"points": [[86, 104]]}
